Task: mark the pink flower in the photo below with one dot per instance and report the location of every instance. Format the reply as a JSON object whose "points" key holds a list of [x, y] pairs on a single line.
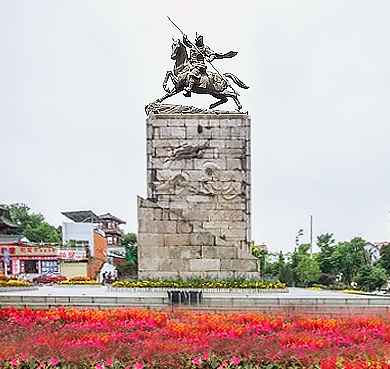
{"points": [[206, 356], [235, 360], [23, 357], [224, 364], [138, 366], [14, 362], [196, 361], [42, 364], [53, 361], [99, 366], [108, 361]]}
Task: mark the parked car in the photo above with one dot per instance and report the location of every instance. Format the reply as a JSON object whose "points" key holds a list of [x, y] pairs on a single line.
{"points": [[49, 278]]}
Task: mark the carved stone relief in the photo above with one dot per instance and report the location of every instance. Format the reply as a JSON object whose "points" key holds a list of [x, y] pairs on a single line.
{"points": [[187, 151], [173, 182], [216, 184]]}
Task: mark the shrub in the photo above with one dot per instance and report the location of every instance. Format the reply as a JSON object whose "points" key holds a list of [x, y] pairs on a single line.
{"points": [[85, 283], [14, 283], [129, 267], [200, 283], [371, 278]]}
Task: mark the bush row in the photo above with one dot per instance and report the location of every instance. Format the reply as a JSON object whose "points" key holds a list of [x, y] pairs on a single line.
{"points": [[199, 283]]}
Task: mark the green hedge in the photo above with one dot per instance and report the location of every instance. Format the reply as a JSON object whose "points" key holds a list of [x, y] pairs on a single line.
{"points": [[200, 283]]}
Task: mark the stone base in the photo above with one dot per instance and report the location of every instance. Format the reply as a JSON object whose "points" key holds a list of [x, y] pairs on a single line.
{"points": [[170, 247], [195, 221]]}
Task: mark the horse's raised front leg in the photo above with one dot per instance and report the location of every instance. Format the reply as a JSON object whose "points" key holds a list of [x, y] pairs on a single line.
{"points": [[173, 78], [167, 75], [168, 94]]}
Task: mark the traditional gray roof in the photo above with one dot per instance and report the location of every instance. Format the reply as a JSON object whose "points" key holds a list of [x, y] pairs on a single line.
{"points": [[7, 238], [109, 216]]}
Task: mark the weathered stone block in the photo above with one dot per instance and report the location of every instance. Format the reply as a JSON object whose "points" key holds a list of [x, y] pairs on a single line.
{"points": [[152, 251], [156, 274], [221, 133], [212, 252], [236, 233], [233, 164], [177, 239], [147, 214], [145, 263], [202, 239], [231, 215], [184, 227], [239, 265], [204, 265], [193, 132], [150, 239], [165, 227], [174, 264]]}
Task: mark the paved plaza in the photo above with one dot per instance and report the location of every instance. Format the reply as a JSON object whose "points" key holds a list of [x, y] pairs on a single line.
{"points": [[102, 297], [106, 291]]}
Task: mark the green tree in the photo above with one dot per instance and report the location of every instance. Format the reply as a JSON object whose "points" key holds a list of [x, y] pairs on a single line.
{"points": [[128, 239], [350, 257], [281, 268], [21, 215], [43, 233], [384, 260], [326, 243], [33, 226], [261, 255], [305, 269], [371, 278]]}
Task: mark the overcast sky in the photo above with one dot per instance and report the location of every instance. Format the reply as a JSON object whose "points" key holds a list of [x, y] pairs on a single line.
{"points": [[75, 76]]}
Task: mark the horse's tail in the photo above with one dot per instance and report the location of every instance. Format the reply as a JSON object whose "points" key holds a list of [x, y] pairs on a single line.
{"points": [[236, 80]]}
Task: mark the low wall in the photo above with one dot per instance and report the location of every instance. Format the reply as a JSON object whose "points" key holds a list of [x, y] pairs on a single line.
{"points": [[212, 302]]}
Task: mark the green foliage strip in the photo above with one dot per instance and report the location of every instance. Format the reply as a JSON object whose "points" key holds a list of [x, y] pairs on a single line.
{"points": [[200, 283]]}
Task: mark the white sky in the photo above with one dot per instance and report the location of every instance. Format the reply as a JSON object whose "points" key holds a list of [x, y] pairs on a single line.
{"points": [[75, 76]]}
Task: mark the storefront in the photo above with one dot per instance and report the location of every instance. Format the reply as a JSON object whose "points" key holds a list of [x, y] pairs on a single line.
{"points": [[73, 262], [23, 259]]}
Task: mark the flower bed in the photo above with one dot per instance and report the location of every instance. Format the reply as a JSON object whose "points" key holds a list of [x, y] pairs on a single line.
{"points": [[78, 280], [14, 283], [9, 284], [136, 338], [78, 283], [200, 284]]}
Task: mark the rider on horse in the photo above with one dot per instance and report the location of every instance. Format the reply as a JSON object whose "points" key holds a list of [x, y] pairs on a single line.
{"points": [[198, 53]]}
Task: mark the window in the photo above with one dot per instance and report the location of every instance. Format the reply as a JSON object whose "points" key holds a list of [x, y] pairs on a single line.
{"points": [[49, 266], [31, 266]]}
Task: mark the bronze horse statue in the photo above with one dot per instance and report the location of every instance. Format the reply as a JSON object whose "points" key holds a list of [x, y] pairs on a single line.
{"points": [[212, 83]]}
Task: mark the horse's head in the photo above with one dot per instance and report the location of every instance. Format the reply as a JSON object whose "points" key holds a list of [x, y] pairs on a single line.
{"points": [[178, 50]]}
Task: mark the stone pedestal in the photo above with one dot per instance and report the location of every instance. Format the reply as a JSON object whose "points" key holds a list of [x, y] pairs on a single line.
{"points": [[196, 219]]}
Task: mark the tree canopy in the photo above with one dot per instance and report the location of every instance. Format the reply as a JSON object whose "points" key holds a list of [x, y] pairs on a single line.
{"points": [[336, 264], [33, 226]]}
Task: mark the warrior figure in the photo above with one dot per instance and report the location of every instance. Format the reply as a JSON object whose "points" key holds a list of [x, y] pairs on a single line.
{"points": [[198, 53]]}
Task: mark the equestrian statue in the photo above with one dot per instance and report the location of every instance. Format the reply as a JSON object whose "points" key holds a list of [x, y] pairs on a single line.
{"points": [[190, 74]]}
